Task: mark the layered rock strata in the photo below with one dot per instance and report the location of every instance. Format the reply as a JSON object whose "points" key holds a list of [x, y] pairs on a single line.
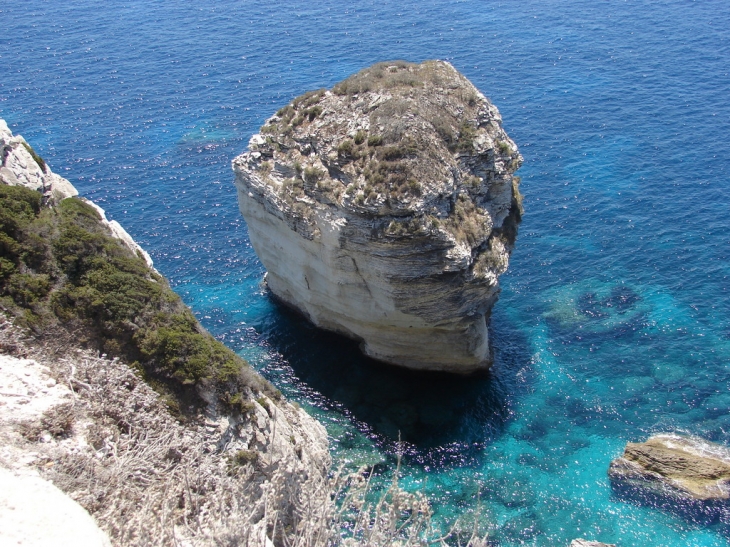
{"points": [[385, 209], [675, 467]]}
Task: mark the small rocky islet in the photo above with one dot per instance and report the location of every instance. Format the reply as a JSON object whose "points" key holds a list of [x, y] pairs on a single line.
{"points": [[385, 209], [685, 471]]}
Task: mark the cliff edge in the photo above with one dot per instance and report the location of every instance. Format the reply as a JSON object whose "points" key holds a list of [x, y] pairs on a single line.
{"points": [[385, 209], [212, 455]]}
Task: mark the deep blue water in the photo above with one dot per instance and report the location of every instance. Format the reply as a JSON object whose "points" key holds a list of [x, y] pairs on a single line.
{"points": [[614, 318]]}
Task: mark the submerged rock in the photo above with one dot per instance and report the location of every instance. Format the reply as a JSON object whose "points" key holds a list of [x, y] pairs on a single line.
{"points": [[385, 209], [676, 468], [586, 543]]}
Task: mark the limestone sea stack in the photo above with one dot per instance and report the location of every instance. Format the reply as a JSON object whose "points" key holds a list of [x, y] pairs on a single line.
{"points": [[385, 209]]}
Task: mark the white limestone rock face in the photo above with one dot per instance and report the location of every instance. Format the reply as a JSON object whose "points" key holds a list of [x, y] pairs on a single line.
{"points": [[34, 513], [385, 209]]}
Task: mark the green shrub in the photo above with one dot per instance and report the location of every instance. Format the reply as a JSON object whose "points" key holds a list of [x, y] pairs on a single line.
{"points": [[443, 126], [345, 148], [465, 142], [7, 268], [27, 289], [360, 137], [19, 206], [390, 153], [238, 403], [375, 140], [415, 187], [313, 175], [285, 112], [245, 457], [36, 157], [265, 168], [308, 99], [313, 112], [264, 402], [61, 270]]}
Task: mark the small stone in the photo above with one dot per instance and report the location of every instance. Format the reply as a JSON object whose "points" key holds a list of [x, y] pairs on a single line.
{"points": [[586, 543]]}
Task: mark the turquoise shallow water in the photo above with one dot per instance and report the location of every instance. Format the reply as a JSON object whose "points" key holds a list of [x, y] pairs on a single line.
{"points": [[613, 322]]}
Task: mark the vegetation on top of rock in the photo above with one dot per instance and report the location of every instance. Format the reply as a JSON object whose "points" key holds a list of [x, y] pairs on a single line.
{"points": [[35, 156], [388, 74], [62, 273], [396, 138], [405, 171]]}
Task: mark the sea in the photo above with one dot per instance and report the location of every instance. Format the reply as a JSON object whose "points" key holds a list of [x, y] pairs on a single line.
{"points": [[614, 318]]}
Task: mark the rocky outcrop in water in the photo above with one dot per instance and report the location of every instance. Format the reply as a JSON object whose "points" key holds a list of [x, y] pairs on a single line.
{"points": [[586, 543], [675, 467], [20, 165], [385, 209]]}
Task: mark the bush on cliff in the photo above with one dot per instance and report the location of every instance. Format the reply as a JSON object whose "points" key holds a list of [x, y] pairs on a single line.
{"points": [[61, 271]]}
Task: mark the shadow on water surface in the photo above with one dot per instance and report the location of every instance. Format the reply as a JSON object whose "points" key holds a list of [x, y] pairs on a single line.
{"points": [[429, 410], [695, 512]]}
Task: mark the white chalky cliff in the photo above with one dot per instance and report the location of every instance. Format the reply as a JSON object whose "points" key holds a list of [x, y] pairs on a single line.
{"points": [[385, 209]]}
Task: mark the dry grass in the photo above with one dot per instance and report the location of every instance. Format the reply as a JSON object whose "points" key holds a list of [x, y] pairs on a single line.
{"points": [[149, 480], [395, 517]]}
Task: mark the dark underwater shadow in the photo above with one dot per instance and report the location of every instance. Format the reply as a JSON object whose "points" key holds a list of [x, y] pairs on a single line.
{"points": [[439, 417], [702, 514]]}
